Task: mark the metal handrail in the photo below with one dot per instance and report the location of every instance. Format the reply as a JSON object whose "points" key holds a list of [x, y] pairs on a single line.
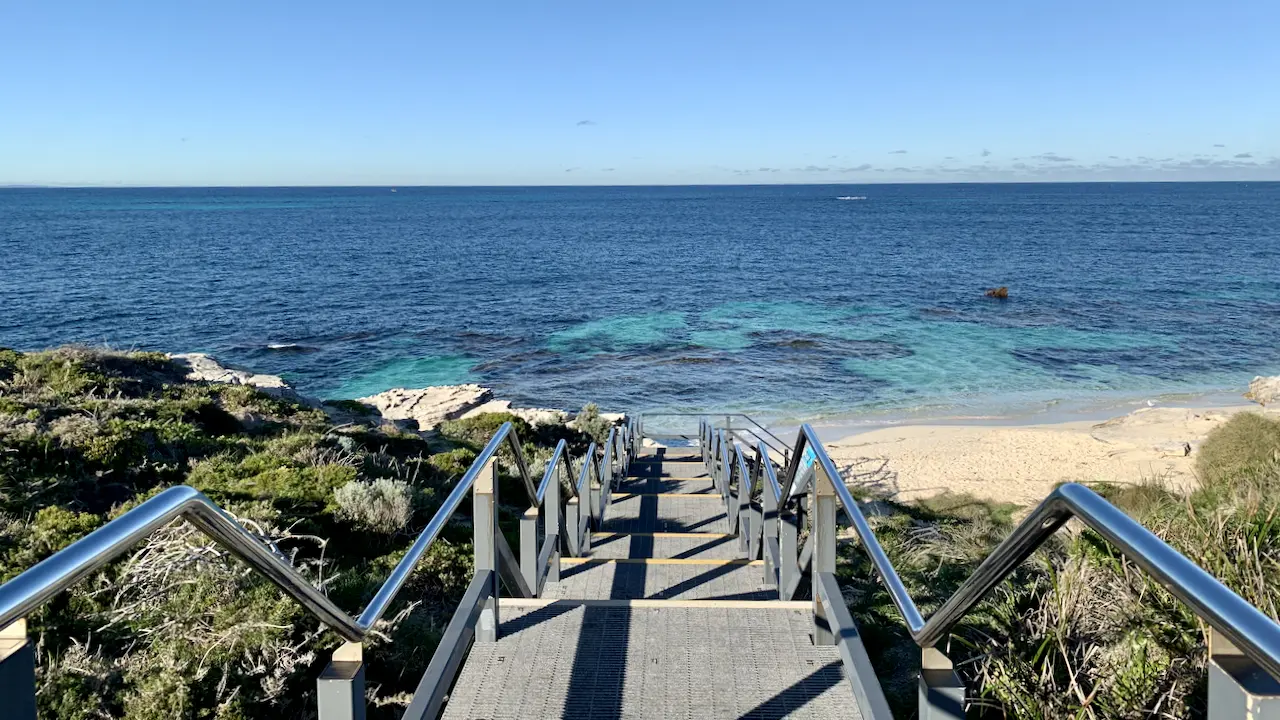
{"points": [[34, 587], [781, 446], [1243, 625]]}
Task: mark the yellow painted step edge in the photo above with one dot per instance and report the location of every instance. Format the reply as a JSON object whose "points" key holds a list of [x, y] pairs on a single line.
{"points": [[657, 561]]}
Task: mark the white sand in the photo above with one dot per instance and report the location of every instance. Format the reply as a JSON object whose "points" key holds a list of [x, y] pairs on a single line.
{"points": [[1022, 464]]}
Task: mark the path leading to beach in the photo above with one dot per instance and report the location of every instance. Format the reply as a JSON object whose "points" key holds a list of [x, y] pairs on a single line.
{"points": [[1022, 464]]}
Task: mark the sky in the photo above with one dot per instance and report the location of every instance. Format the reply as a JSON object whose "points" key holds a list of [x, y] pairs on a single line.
{"points": [[569, 92]]}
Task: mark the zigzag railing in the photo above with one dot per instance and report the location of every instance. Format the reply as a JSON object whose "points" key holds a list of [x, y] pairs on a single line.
{"points": [[340, 687]]}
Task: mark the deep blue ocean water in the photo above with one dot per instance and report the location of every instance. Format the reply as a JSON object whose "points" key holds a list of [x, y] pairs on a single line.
{"points": [[782, 300]]}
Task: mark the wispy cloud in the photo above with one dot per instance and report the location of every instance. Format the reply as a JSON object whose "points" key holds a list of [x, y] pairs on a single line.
{"points": [[1054, 157], [812, 168], [1243, 156], [570, 169], [769, 169], [606, 169], [898, 152], [1219, 145], [986, 152], [586, 122], [860, 168]]}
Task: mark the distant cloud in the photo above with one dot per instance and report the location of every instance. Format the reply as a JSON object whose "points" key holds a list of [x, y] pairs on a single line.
{"points": [[904, 169], [949, 157], [586, 122], [606, 170], [861, 168], [1219, 145], [986, 152], [898, 152], [832, 157], [1053, 157], [1243, 156], [570, 169], [812, 168], [1113, 157], [769, 169]]}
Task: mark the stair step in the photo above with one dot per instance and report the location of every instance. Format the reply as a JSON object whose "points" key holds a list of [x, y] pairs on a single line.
{"points": [[669, 486], [658, 561], [664, 513], [622, 581], [590, 661], [665, 545], [542, 602]]}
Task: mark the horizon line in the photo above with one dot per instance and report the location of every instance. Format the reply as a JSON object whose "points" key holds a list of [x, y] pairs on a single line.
{"points": [[114, 186]]}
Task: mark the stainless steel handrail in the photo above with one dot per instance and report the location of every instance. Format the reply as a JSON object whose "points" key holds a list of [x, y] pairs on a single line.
{"points": [[781, 446], [1243, 625], [32, 588]]}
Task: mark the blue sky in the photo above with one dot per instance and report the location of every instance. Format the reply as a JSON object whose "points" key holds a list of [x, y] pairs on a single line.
{"points": [[570, 92]]}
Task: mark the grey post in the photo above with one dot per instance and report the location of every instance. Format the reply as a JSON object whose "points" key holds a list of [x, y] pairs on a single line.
{"points": [[573, 521], [940, 690], [1238, 686], [485, 531], [529, 548], [823, 528], [551, 520], [17, 672], [789, 542], [340, 687]]}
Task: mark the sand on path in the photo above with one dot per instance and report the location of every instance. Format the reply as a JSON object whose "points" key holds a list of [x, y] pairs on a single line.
{"points": [[1021, 464]]}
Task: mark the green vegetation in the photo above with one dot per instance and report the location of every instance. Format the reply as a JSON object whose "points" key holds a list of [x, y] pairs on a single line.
{"points": [[1080, 632], [179, 629]]}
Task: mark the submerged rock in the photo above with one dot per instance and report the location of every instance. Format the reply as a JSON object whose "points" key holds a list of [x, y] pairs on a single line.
{"points": [[429, 406], [204, 368], [1000, 293], [1264, 390]]}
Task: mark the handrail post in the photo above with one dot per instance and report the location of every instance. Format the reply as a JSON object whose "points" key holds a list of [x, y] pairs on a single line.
{"points": [[551, 521], [940, 691], [484, 523], [789, 549], [1238, 687], [823, 524], [17, 672], [340, 687], [529, 548]]}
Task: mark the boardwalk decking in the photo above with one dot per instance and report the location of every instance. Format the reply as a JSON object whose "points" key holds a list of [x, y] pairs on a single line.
{"points": [[664, 618]]}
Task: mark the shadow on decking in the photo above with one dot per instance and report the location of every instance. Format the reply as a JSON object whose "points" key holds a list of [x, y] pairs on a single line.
{"points": [[798, 695], [600, 660]]}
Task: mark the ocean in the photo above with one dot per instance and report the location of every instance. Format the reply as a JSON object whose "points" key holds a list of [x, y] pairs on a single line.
{"points": [[808, 302]]}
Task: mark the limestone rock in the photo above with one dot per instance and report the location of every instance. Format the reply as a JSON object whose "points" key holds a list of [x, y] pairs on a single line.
{"points": [[204, 368], [428, 406], [533, 416], [1264, 390], [1000, 293]]}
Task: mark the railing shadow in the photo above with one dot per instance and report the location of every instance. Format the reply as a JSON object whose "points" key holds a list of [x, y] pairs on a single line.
{"points": [[785, 703]]}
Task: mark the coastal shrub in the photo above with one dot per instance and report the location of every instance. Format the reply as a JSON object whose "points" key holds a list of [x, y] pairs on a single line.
{"points": [[383, 506], [475, 432], [178, 628], [589, 422]]}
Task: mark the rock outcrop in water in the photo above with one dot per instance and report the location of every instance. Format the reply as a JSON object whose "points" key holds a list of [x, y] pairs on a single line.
{"points": [[1264, 390], [204, 368], [1000, 293]]}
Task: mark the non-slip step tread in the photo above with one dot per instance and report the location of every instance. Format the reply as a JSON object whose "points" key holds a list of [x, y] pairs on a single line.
{"points": [[564, 661], [664, 513], [628, 581], [625, 545]]}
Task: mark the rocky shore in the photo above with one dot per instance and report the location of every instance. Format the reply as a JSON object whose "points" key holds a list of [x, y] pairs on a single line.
{"points": [[416, 409]]}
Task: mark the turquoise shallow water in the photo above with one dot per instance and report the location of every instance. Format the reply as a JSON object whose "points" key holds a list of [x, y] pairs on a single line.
{"points": [[781, 300]]}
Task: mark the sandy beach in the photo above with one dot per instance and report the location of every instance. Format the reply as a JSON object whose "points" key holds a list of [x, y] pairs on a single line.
{"points": [[1021, 464]]}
